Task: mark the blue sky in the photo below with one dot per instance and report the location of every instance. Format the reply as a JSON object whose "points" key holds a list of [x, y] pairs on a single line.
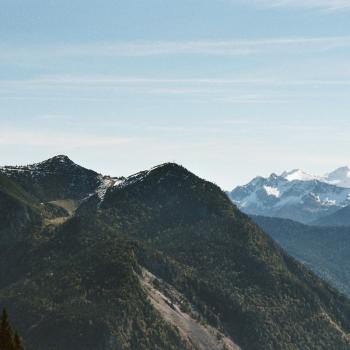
{"points": [[228, 88]]}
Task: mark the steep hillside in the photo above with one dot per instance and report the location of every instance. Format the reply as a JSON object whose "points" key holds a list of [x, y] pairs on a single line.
{"points": [[339, 218], [326, 250], [164, 260], [19, 212], [261, 297], [72, 293]]}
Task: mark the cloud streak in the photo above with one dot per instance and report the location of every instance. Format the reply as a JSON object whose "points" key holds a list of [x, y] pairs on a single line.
{"points": [[15, 137], [235, 47], [328, 5], [189, 84], [218, 90]]}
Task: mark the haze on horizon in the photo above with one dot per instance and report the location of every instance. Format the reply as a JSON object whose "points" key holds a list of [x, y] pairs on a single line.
{"points": [[230, 89]]}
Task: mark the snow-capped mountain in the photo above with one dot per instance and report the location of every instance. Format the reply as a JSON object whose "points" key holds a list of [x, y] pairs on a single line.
{"points": [[339, 177], [295, 195], [300, 175]]}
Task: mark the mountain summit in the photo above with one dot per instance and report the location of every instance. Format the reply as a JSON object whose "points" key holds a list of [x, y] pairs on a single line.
{"points": [[300, 175], [339, 177], [55, 179], [164, 261], [295, 195]]}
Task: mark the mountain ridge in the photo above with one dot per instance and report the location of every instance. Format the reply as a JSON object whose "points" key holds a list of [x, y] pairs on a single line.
{"points": [[80, 283], [292, 195]]}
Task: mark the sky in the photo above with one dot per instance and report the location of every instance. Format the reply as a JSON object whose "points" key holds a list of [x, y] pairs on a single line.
{"points": [[230, 89]]}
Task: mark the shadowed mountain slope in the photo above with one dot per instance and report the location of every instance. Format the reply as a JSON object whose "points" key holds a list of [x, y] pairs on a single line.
{"points": [[340, 218], [55, 178], [326, 250], [85, 285]]}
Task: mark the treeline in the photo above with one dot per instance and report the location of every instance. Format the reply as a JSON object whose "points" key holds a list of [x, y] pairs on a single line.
{"points": [[9, 339]]}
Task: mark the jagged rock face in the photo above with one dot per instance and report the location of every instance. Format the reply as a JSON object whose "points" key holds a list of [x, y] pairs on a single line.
{"points": [[55, 178], [306, 199]]}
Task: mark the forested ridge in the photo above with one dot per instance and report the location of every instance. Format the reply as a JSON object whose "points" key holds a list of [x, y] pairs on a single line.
{"points": [[79, 283]]}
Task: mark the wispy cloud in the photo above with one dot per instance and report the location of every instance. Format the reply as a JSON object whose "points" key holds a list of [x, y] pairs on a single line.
{"points": [[53, 116], [200, 47], [50, 138], [248, 90], [328, 5], [159, 83]]}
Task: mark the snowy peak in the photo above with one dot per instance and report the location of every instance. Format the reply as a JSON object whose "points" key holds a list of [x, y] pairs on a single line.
{"points": [[300, 175], [339, 177], [295, 195]]}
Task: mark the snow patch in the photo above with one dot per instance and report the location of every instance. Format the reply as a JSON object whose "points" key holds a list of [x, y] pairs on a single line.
{"points": [[272, 191]]}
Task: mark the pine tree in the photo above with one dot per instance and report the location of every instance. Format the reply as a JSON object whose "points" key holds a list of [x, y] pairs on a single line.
{"points": [[17, 342], [6, 333]]}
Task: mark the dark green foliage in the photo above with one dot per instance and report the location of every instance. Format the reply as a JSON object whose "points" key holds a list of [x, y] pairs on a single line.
{"points": [[326, 250], [6, 333], [17, 342], [263, 298], [19, 213], [78, 287], [82, 283], [8, 340], [55, 178]]}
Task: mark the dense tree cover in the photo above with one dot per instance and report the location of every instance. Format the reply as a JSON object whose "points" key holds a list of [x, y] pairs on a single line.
{"points": [[326, 250], [262, 297], [79, 283], [83, 284], [55, 178], [9, 340]]}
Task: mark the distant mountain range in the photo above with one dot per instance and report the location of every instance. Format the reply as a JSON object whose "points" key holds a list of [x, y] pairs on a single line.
{"points": [[158, 260], [297, 195]]}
